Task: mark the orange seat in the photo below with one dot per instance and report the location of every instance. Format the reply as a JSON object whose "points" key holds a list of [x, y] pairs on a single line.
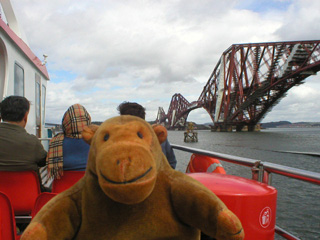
{"points": [[68, 179], [22, 188], [41, 200], [7, 221]]}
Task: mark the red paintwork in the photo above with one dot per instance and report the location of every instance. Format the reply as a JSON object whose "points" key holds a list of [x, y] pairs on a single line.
{"points": [[246, 198], [307, 179], [24, 48]]}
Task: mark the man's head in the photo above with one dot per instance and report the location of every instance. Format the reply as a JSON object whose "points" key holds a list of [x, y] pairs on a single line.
{"points": [[15, 109], [132, 108]]}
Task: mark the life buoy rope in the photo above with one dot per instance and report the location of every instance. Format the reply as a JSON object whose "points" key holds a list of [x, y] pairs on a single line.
{"points": [[213, 167]]}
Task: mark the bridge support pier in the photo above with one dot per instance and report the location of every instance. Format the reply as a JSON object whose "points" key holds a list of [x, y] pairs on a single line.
{"points": [[254, 128], [238, 128], [249, 128], [221, 128]]}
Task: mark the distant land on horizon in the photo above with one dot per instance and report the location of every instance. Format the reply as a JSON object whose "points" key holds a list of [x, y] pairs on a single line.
{"points": [[287, 124], [282, 124], [207, 126]]}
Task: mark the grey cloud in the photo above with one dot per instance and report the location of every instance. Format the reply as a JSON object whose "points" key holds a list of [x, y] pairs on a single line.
{"points": [[149, 50], [301, 22]]}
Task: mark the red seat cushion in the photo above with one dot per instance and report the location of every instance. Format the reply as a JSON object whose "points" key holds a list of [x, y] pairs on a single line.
{"points": [[41, 200], [7, 221], [68, 179], [22, 188]]}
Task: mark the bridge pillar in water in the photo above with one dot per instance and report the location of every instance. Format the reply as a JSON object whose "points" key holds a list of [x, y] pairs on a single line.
{"points": [[251, 128], [254, 128], [221, 128], [239, 128], [248, 128]]}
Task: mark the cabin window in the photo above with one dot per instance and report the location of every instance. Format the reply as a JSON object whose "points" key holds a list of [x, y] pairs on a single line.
{"points": [[38, 104], [18, 80], [43, 103], [38, 96]]}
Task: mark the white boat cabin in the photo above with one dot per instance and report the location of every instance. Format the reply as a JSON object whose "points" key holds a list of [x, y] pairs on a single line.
{"points": [[21, 72]]}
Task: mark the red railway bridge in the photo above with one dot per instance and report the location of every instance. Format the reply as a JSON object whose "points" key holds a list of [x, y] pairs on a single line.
{"points": [[248, 80]]}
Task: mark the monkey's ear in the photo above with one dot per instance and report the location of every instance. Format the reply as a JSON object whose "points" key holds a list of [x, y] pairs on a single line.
{"points": [[88, 132], [161, 132]]}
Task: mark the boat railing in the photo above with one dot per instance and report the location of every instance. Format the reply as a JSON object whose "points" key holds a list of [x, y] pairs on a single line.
{"points": [[263, 167], [261, 171], [44, 139]]}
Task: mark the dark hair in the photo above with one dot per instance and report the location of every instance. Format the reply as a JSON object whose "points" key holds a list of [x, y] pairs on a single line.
{"points": [[14, 108], [132, 108]]}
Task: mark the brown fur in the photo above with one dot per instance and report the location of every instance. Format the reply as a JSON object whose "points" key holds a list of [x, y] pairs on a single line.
{"points": [[130, 191]]}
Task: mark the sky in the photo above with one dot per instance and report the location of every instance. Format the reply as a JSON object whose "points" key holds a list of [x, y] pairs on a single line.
{"points": [[101, 53]]}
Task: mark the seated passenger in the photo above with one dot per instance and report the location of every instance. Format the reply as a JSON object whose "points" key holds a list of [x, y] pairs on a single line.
{"points": [[19, 150], [135, 109], [67, 150]]}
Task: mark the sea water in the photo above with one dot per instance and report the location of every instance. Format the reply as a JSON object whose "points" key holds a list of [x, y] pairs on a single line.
{"points": [[298, 205]]}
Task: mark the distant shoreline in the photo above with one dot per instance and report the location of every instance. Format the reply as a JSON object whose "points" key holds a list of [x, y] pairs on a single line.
{"points": [[278, 124], [207, 126], [287, 124]]}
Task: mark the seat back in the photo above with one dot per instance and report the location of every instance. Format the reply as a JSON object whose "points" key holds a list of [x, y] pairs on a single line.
{"points": [[68, 179], [22, 188], [7, 221], [41, 200]]}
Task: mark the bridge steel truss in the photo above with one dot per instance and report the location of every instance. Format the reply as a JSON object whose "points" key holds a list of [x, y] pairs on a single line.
{"points": [[178, 111], [248, 80]]}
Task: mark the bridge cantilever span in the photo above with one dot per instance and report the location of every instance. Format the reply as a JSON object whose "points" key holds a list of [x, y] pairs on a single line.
{"points": [[178, 111], [248, 80]]}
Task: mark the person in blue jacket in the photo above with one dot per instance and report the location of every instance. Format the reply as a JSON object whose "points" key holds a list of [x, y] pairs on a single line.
{"points": [[67, 150], [135, 109]]}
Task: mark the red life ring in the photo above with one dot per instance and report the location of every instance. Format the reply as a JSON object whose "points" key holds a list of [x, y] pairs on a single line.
{"points": [[201, 163]]}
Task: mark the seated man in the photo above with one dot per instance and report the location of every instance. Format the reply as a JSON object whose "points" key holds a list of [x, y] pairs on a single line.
{"points": [[135, 109], [19, 150]]}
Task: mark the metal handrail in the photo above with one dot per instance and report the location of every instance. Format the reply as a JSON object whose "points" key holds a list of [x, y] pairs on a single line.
{"points": [[44, 139], [304, 175], [308, 176], [285, 234]]}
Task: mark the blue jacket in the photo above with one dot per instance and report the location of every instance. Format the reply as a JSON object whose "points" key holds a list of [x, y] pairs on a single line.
{"points": [[168, 152], [75, 154]]}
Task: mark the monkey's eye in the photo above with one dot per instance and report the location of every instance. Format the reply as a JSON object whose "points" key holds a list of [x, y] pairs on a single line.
{"points": [[140, 135], [106, 137]]}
